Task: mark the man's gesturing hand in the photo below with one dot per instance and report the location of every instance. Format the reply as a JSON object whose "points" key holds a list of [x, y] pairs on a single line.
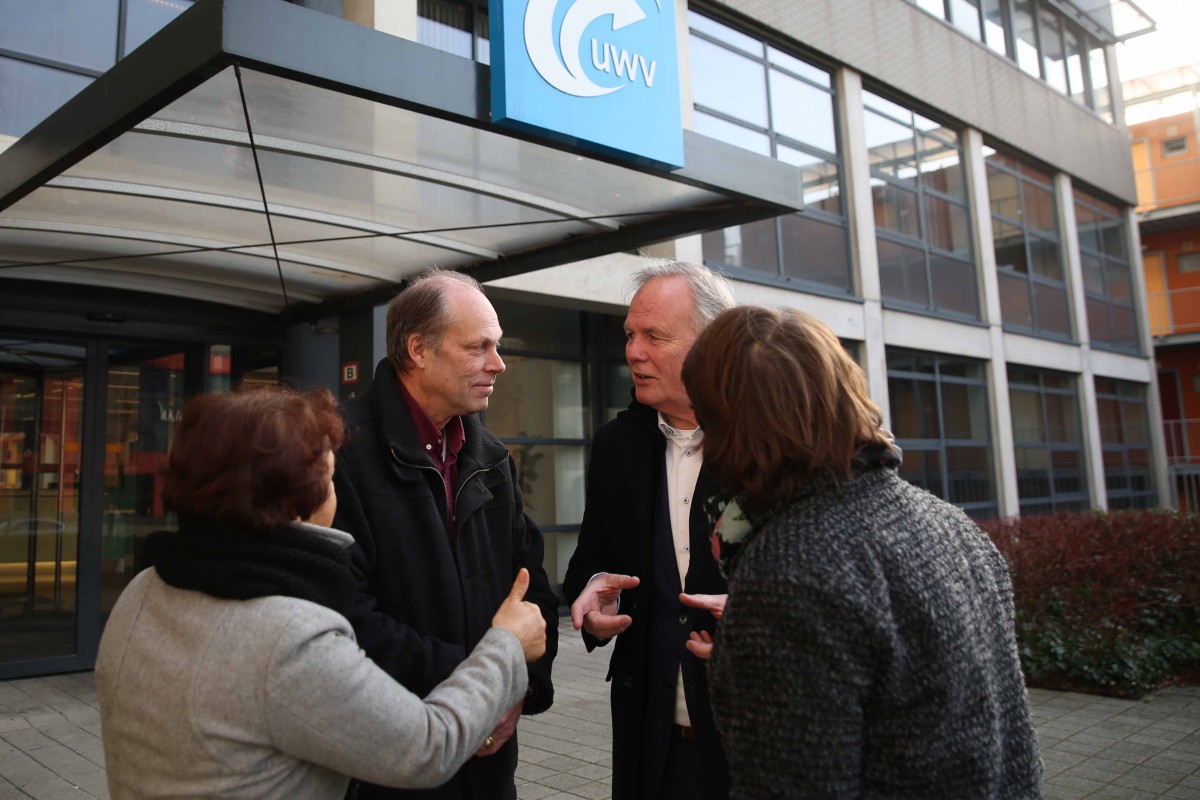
{"points": [[595, 610]]}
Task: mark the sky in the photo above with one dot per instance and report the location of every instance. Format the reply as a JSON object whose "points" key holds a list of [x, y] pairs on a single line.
{"points": [[1174, 44]]}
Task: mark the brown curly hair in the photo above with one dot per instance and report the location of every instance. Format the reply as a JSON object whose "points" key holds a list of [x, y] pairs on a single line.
{"points": [[252, 459]]}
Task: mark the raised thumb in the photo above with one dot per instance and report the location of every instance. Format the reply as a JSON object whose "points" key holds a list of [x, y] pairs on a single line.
{"points": [[520, 586]]}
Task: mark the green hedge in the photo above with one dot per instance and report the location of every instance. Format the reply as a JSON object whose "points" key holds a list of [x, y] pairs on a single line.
{"points": [[1107, 603]]}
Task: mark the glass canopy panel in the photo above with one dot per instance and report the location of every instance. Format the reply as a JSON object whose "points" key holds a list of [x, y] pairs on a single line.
{"points": [[360, 193], [386, 199], [216, 103], [161, 217], [365, 253], [438, 149], [193, 165]]}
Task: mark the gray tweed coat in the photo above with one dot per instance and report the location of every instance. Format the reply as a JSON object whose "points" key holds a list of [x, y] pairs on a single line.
{"points": [[868, 651]]}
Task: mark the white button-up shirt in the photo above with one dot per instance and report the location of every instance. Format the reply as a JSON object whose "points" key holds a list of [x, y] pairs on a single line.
{"points": [[684, 457]]}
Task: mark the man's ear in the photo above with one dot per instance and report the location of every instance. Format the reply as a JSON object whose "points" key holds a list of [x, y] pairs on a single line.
{"points": [[416, 349]]}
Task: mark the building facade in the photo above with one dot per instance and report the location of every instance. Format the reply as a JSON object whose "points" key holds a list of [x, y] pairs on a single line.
{"points": [[1163, 114], [968, 231]]}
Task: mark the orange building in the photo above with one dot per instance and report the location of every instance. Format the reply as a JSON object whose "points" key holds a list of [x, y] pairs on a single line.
{"points": [[1163, 114]]}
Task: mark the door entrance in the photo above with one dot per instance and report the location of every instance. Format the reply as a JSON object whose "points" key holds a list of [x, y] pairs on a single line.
{"points": [[144, 394], [85, 428], [41, 426]]}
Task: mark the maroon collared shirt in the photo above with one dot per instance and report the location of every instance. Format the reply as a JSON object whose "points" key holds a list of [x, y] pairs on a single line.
{"points": [[442, 446]]}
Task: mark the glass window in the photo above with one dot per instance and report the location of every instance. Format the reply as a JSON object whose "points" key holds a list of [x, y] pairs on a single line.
{"points": [[81, 33], [144, 18], [1025, 36], [1107, 277], [994, 26], [813, 127], [733, 133], [446, 26], [30, 92], [457, 27], [965, 16], [940, 419], [1098, 74], [42, 429], [728, 82], [1027, 245], [816, 251], [1054, 62], [1047, 440], [1125, 439], [749, 94], [922, 217], [725, 34], [1076, 86], [935, 7]]}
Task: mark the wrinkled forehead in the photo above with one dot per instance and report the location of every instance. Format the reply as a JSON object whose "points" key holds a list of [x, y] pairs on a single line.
{"points": [[471, 314], [662, 304]]}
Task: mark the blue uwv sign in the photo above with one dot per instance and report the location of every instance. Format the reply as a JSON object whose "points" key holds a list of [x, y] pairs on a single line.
{"points": [[603, 74]]}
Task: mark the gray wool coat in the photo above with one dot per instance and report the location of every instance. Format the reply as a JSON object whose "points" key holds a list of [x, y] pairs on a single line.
{"points": [[868, 650], [272, 698]]}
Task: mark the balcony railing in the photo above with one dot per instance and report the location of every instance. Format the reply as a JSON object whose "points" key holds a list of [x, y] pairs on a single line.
{"points": [[1163, 185], [1182, 440], [1174, 311]]}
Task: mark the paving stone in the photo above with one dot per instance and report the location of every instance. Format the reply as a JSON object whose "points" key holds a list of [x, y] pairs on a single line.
{"points": [[1093, 748]]}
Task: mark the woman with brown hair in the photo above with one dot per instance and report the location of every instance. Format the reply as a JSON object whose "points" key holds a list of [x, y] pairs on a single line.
{"points": [[228, 670], [867, 647]]}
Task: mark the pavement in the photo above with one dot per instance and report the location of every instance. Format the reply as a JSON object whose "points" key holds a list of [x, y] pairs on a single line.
{"points": [[1093, 747]]}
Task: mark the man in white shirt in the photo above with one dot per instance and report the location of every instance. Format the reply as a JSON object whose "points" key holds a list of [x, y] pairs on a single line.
{"points": [[643, 521]]}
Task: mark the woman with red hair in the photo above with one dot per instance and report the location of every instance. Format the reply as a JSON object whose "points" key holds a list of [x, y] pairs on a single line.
{"points": [[228, 669]]}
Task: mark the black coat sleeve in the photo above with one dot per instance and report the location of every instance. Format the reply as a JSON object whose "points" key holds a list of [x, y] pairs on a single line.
{"points": [[605, 513], [416, 661], [529, 551]]}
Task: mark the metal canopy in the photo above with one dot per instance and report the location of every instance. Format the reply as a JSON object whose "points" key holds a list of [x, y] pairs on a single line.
{"points": [[1111, 20], [259, 154]]}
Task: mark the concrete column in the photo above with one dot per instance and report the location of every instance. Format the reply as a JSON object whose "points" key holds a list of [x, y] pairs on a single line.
{"points": [[1093, 451], [1004, 462], [864, 255], [1154, 418]]}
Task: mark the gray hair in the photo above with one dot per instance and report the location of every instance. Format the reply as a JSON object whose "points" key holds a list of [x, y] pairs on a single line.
{"points": [[711, 292], [421, 309]]}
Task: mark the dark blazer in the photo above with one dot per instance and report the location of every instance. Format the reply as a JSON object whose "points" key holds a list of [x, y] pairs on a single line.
{"points": [[424, 601], [625, 478]]}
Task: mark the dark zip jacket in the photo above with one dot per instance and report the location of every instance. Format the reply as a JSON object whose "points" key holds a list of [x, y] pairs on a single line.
{"points": [[624, 495], [424, 601]]}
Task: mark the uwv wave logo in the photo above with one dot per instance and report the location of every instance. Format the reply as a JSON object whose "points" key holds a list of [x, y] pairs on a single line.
{"points": [[602, 73], [562, 66]]}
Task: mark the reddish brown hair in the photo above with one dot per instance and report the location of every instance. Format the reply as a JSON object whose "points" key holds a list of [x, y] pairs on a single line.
{"points": [[780, 401], [252, 459]]}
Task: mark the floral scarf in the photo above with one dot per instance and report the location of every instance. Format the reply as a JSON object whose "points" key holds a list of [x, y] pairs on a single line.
{"points": [[736, 520]]}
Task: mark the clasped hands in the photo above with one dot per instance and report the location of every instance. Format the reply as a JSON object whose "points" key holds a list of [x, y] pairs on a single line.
{"points": [[596, 610]]}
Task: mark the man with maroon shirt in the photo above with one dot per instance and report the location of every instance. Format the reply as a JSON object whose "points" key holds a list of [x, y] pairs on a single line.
{"points": [[433, 502]]}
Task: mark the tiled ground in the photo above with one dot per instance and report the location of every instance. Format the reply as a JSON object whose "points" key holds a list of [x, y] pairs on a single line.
{"points": [[1095, 748]]}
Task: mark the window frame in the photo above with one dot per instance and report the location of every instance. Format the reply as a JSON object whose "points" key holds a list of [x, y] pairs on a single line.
{"points": [[1126, 393], [941, 444], [777, 140], [921, 188], [1056, 500], [1029, 234]]}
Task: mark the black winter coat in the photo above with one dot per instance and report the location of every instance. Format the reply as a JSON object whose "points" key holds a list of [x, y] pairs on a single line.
{"points": [[423, 601], [624, 483]]}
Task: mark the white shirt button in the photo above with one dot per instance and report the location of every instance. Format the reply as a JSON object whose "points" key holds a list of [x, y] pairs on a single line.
{"points": [[428, 447]]}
